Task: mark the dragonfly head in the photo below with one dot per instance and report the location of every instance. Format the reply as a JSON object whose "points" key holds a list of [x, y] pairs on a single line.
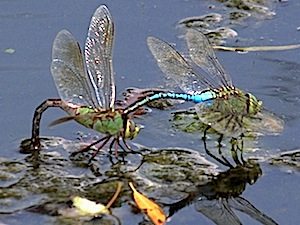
{"points": [[131, 129], [254, 105]]}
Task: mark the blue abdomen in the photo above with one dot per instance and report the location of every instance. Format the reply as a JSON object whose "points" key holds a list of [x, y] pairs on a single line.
{"points": [[197, 98]]}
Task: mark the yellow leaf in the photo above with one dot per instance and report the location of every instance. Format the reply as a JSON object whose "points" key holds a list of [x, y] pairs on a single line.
{"points": [[9, 50], [150, 208], [86, 207]]}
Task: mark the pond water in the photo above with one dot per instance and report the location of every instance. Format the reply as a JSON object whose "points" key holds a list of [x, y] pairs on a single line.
{"points": [[173, 169]]}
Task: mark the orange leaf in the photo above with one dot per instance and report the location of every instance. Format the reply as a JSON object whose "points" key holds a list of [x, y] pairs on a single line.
{"points": [[150, 208]]}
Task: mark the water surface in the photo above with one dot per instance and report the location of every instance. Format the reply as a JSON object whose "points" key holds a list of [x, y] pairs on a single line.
{"points": [[29, 29]]}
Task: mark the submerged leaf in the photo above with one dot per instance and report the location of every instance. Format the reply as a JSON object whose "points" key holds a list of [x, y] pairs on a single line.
{"points": [[150, 208], [9, 50], [86, 207]]}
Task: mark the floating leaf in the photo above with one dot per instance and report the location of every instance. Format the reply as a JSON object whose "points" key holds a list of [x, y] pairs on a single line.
{"points": [[257, 48], [9, 50], [150, 208], [86, 207]]}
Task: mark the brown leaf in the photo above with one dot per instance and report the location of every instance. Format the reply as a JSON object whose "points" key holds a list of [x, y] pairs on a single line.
{"points": [[150, 208]]}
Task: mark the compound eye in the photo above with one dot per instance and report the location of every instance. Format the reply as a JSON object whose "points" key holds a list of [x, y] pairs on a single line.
{"points": [[131, 130], [131, 126]]}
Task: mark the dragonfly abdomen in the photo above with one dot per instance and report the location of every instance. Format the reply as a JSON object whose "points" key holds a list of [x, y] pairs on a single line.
{"points": [[197, 98], [205, 96]]}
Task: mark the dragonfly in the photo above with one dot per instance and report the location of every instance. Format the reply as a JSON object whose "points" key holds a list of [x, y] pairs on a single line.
{"points": [[87, 89], [220, 198], [223, 107]]}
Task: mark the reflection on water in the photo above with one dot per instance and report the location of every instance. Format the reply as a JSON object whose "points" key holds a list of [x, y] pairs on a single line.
{"points": [[217, 198], [237, 147], [42, 183], [224, 195], [173, 178]]}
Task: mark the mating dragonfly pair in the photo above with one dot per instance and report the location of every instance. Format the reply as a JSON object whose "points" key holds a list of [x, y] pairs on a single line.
{"points": [[87, 89]]}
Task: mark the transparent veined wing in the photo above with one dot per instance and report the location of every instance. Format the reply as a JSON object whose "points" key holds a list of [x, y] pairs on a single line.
{"points": [[268, 122], [203, 55], [68, 71], [176, 67], [221, 210], [246, 207], [224, 119], [217, 210], [98, 56]]}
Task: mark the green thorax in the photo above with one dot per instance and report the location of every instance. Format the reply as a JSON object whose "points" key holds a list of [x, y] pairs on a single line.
{"points": [[106, 122], [235, 101]]}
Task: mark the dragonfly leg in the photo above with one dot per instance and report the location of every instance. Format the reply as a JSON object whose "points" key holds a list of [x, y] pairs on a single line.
{"points": [[121, 146], [205, 132], [225, 162], [35, 140], [111, 145], [125, 143], [116, 147], [237, 146], [240, 148], [117, 143], [106, 139], [87, 148], [242, 159], [235, 155], [220, 140]]}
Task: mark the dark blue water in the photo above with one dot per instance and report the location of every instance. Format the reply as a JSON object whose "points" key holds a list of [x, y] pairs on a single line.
{"points": [[29, 28]]}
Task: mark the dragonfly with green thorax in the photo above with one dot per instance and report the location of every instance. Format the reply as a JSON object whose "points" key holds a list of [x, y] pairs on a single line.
{"points": [[223, 107], [87, 89]]}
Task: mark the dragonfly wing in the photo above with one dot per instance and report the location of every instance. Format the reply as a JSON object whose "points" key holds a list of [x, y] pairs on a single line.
{"points": [[217, 210], [265, 122], [176, 67], [246, 207], [226, 114], [68, 71], [225, 119], [203, 55], [98, 56], [218, 122]]}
